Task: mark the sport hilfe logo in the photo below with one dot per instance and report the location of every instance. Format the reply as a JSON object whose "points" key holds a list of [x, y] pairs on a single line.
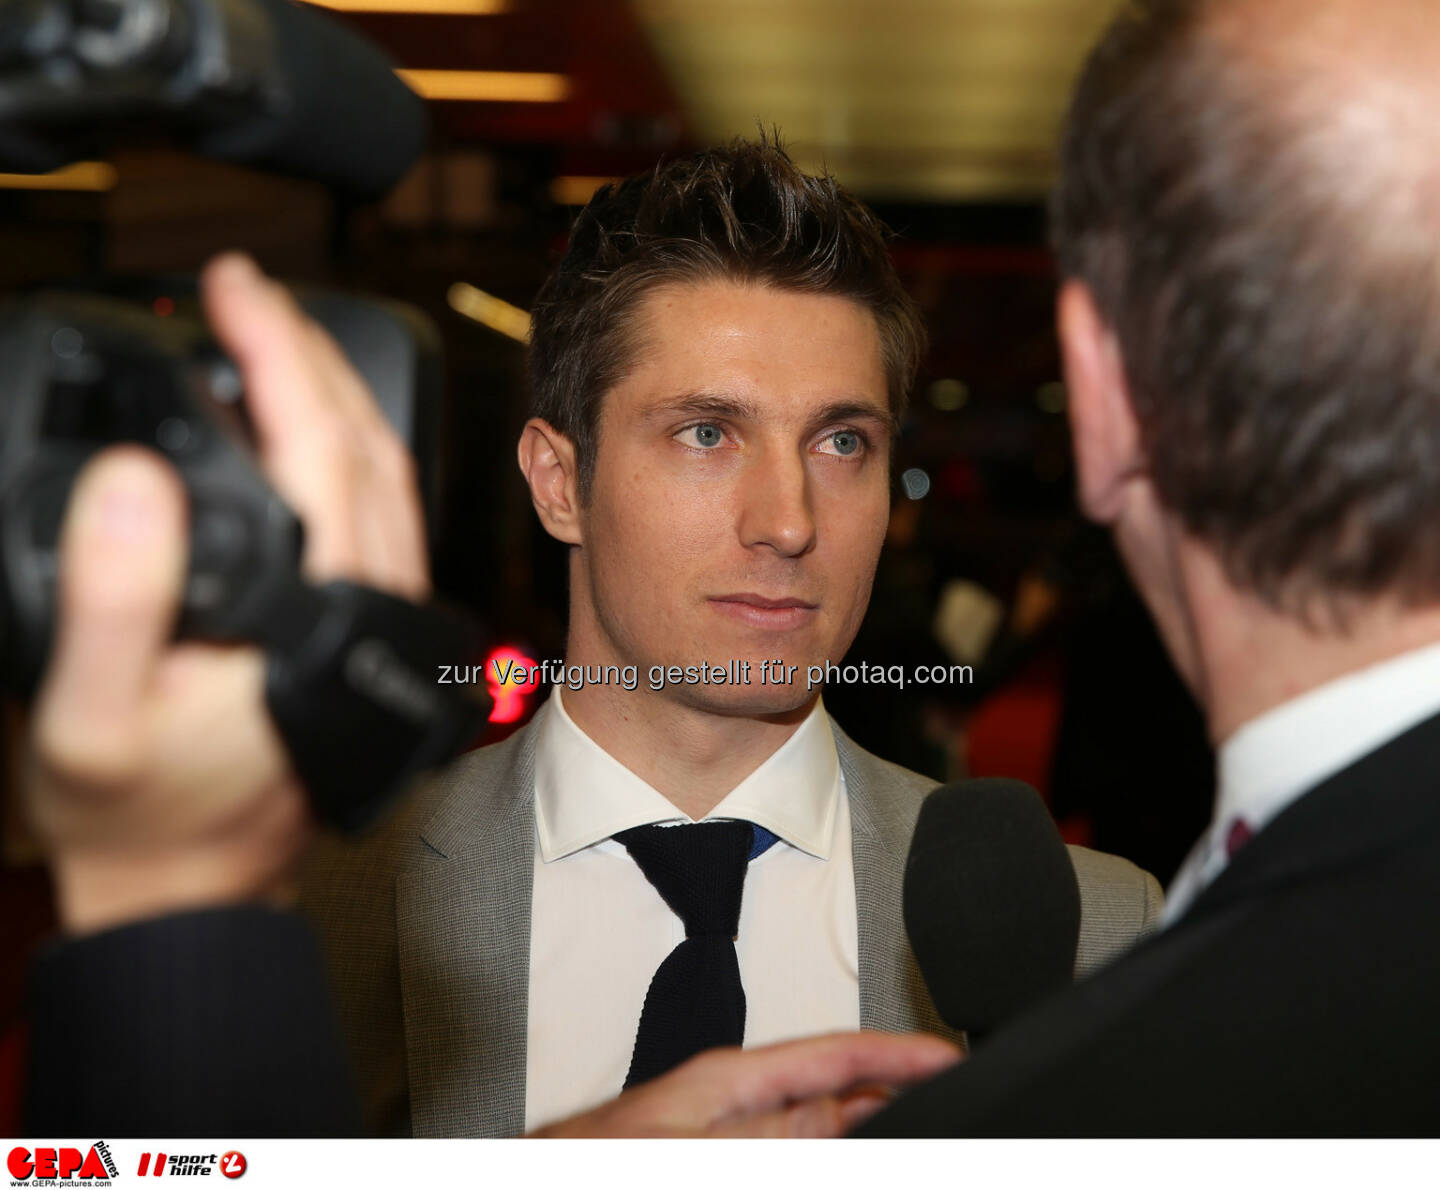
{"points": [[62, 1164], [231, 1164]]}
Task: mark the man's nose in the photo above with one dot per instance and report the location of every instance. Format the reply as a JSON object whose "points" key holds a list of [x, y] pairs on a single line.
{"points": [[775, 500]]}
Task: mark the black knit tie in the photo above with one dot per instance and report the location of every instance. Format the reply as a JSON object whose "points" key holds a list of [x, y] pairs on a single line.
{"points": [[695, 1001]]}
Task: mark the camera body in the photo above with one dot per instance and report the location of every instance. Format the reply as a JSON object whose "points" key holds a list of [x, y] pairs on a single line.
{"points": [[84, 372], [350, 671]]}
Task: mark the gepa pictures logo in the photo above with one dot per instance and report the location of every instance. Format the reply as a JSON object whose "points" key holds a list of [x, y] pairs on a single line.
{"points": [[61, 1166]]}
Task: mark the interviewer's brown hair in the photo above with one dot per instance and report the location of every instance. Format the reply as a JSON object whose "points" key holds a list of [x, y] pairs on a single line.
{"points": [[1261, 239]]}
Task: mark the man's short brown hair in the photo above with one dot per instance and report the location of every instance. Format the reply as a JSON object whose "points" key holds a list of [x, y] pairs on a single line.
{"points": [[1260, 236], [743, 212]]}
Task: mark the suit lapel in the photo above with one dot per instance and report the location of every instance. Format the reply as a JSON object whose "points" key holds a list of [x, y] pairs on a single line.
{"points": [[463, 928], [892, 990]]}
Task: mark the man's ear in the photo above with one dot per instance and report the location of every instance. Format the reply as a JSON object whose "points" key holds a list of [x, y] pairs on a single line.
{"points": [[547, 460], [1102, 419]]}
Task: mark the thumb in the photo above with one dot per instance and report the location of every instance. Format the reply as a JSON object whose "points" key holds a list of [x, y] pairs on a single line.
{"points": [[123, 555]]}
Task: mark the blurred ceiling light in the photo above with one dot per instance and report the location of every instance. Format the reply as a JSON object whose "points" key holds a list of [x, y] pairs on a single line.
{"points": [[458, 8], [83, 175], [949, 395], [489, 310], [576, 191], [488, 86]]}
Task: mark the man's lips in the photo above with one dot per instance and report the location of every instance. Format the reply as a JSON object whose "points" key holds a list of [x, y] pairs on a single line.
{"points": [[761, 602], [759, 611]]}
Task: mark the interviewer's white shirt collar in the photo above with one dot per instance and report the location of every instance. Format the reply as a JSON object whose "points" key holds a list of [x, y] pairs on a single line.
{"points": [[1276, 757]]}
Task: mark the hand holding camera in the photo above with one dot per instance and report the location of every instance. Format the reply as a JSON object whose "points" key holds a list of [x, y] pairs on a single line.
{"points": [[159, 781]]}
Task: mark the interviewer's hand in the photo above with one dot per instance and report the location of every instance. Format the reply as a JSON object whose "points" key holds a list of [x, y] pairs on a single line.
{"points": [[156, 782], [819, 1087]]}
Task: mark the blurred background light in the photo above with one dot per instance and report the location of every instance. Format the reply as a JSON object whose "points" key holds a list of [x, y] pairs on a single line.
{"points": [[915, 99], [1051, 397], [573, 191], [510, 695], [469, 8], [489, 310], [949, 395], [83, 175], [487, 86], [916, 483]]}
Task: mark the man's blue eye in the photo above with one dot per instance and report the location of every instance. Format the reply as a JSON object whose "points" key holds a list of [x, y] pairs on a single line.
{"points": [[847, 442], [708, 436]]}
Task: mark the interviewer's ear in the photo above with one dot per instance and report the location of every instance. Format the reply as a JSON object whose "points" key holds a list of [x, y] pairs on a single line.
{"points": [[1102, 419], [547, 460]]}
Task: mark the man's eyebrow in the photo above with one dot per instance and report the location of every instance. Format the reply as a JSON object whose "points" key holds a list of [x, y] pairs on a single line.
{"points": [[704, 404], [855, 410], [726, 405]]}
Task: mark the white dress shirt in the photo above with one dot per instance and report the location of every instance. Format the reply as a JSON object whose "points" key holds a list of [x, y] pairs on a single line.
{"points": [[599, 929], [1273, 759]]}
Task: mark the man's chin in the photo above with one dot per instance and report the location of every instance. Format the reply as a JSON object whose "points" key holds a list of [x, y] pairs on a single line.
{"points": [[779, 703]]}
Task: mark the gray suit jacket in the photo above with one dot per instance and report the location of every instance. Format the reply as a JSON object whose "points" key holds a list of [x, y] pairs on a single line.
{"points": [[426, 928]]}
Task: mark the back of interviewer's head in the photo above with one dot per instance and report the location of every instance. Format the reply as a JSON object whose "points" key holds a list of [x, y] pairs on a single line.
{"points": [[742, 212], [1250, 191]]}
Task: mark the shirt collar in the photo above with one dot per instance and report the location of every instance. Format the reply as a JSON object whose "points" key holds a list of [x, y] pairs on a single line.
{"points": [[1280, 755], [583, 795], [1273, 759]]}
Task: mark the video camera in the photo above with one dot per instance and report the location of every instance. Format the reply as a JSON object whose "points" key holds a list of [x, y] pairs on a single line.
{"points": [[350, 670]]}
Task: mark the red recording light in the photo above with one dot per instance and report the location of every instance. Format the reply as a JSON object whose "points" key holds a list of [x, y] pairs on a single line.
{"points": [[503, 669], [164, 306]]}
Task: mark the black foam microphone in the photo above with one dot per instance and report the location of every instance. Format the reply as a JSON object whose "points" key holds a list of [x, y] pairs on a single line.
{"points": [[268, 83], [991, 903]]}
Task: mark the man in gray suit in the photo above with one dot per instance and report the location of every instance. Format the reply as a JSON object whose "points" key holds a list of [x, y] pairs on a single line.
{"points": [[718, 366]]}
